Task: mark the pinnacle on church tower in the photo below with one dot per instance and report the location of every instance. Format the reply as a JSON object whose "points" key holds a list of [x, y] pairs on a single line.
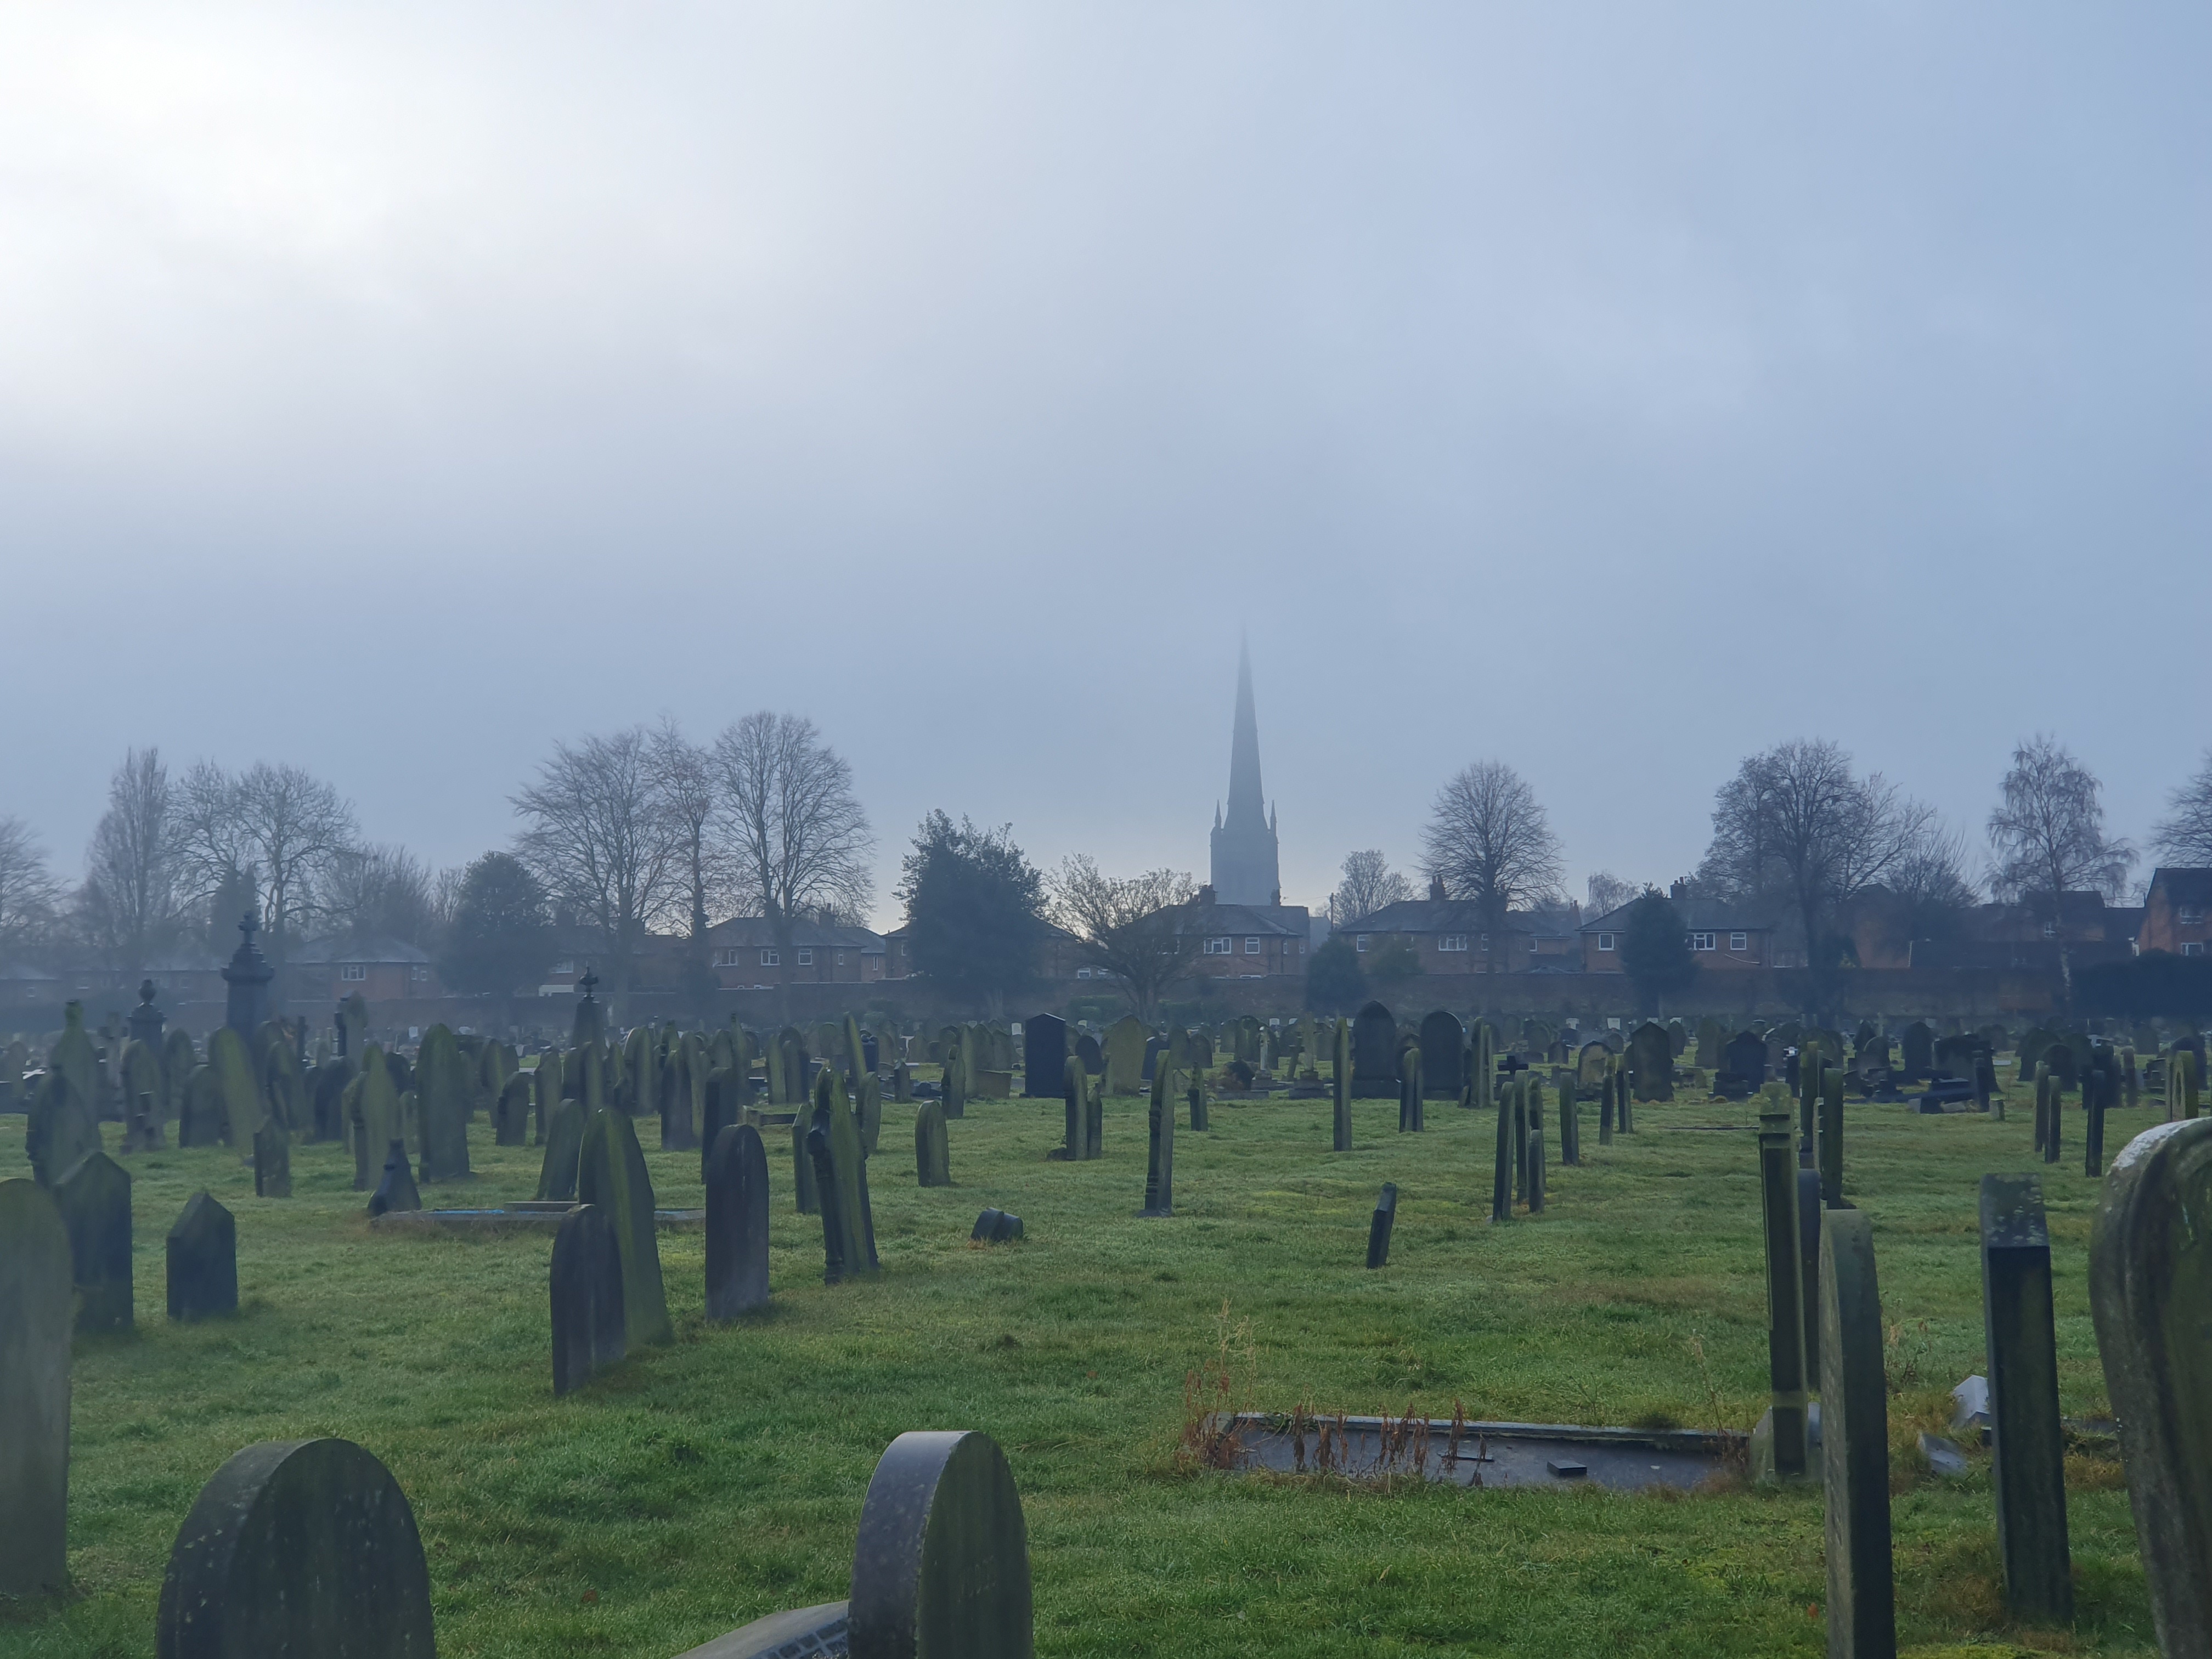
{"points": [[1245, 866]]}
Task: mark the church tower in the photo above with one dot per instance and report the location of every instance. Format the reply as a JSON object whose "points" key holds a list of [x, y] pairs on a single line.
{"points": [[1245, 868]]}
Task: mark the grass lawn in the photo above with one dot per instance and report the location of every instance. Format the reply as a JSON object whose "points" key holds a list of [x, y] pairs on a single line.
{"points": [[700, 1486]]}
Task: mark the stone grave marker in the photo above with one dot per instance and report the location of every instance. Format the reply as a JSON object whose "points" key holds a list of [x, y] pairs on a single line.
{"points": [[868, 1113], [61, 1130], [1592, 1061], [2029, 1468], [202, 1259], [840, 1179], [736, 1222], [1917, 1051], [272, 1159], [94, 1201], [1374, 1055], [233, 1070], [396, 1191], [1159, 1158], [589, 1332], [1534, 1180], [1378, 1229], [1651, 1063], [1855, 1442], [955, 1084], [1830, 1096], [1195, 1092], [1092, 1056], [1501, 1188], [611, 1173], [1782, 1454], [37, 1299], [719, 1109], [1410, 1072], [1340, 1091], [902, 1082], [1743, 1065], [298, 1547], [1124, 1050], [940, 1565], [996, 1227], [933, 1162], [806, 1191], [564, 1146], [376, 1118], [2150, 1292], [510, 1116], [1570, 1121], [1809, 1209], [1044, 1055], [1443, 1057]]}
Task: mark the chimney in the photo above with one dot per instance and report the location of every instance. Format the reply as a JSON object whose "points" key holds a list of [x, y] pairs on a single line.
{"points": [[1205, 893], [1681, 890], [1435, 890]]}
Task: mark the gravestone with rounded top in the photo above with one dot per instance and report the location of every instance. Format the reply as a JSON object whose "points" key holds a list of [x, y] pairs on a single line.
{"points": [[1651, 1063], [611, 1173], [36, 1300], [587, 1286], [736, 1222], [95, 1201], [1443, 1057], [1124, 1053], [932, 1155], [941, 1564], [203, 1260], [1044, 1055], [1374, 1053], [298, 1547]]}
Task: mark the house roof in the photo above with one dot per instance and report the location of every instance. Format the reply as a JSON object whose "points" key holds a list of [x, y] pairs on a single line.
{"points": [[373, 949], [2183, 883], [1284, 921], [1425, 915], [747, 933], [1699, 915]]}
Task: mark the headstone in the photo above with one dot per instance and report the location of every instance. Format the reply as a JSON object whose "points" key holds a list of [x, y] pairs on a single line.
{"points": [[272, 1160], [1378, 1229], [1501, 1189], [996, 1227], [1785, 1325], [1342, 1074], [202, 1255], [589, 1332], [510, 1115], [1831, 1096], [62, 1129], [1591, 1060], [1411, 1071], [1809, 1209], [36, 1303], [1855, 1442], [736, 1222], [611, 1173], [1651, 1063], [298, 1547], [1916, 1050], [940, 1565], [840, 1179], [1124, 1050], [1044, 1055], [902, 1082], [564, 1146], [1743, 1058], [1160, 1159], [376, 1118], [248, 975], [1374, 1053], [1443, 1057], [1092, 1056], [931, 1157], [805, 1193], [2029, 1468], [955, 1084], [2149, 1293], [1534, 1180], [396, 1192], [1571, 1123]]}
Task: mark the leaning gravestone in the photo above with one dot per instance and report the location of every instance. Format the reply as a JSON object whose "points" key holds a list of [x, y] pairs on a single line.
{"points": [[932, 1163], [510, 1116], [611, 1173], [1379, 1227], [2029, 1468], [1374, 1053], [2150, 1290], [36, 1300], [202, 1250], [95, 1201], [1855, 1442], [1044, 1055], [1443, 1057], [736, 1222], [996, 1227], [841, 1180], [397, 1193], [298, 1547], [272, 1160], [564, 1146], [1124, 1051], [586, 1282]]}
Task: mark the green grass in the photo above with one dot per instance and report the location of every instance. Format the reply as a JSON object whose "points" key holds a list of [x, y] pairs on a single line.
{"points": [[702, 1485]]}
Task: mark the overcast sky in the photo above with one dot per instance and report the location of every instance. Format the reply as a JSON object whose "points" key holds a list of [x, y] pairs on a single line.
{"points": [[1609, 390]]}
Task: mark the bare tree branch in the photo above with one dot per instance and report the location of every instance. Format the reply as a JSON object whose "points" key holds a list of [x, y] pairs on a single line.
{"points": [[792, 822], [2184, 836], [29, 890], [1488, 840], [1368, 884], [128, 907], [2047, 836], [1129, 926]]}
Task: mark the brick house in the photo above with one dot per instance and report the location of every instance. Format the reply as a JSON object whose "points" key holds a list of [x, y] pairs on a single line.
{"points": [[376, 968], [1246, 941], [1722, 936], [1448, 936], [744, 954], [2177, 912]]}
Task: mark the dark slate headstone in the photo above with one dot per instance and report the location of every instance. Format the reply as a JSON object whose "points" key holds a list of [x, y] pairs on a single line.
{"points": [[1341, 1085], [1533, 1181], [1916, 1050], [298, 1547], [396, 1192], [1201, 1122], [611, 1173], [564, 1146], [2147, 1291], [1044, 1055], [1154, 1048], [933, 1162], [272, 1160], [1443, 1057], [1743, 1057], [1501, 1187], [202, 1248], [1785, 1287], [1570, 1122], [2029, 1468], [841, 1180], [996, 1227], [1651, 1063], [589, 1331], [36, 1302], [510, 1114], [940, 1565], [1809, 1207], [1159, 1157], [1374, 1053], [736, 1222], [1855, 1442], [1378, 1229], [1411, 1118], [95, 1201], [1092, 1056]]}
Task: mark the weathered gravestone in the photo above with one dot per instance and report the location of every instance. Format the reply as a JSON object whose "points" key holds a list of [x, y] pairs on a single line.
{"points": [[1501, 1188], [233, 1069], [272, 1160], [298, 1547], [1778, 1443], [2150, 1292], [1411, 1119], [1743, 1066], [2029, 1468], [586, 1285], [1195, 1092], [62, 1129], [1341, 1089], [1651, 1063], [841, 1180], [1374, 1055], [1854, 1443], [36, 1298], [1916, 1047], [95, 1201], [1570, 1122], [1378, 1229], [1592, 1062], [510, 1116], [396, 1192], [868, 1113], [933, 1160], [1044, 1055], [1092, 1056], [996, 1227], [736, 1222], [1159, 1157], [564, 1146], [611, 1173], [376, 1119], [202, 1259], [1443, 1057], [1533, 1182], [1124, 1049]]}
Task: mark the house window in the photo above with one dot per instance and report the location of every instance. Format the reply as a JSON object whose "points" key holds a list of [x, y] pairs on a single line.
{"points": [[354, 971], [1704, 942], [2190, 915], [1604, 941], [2191, 948], [840, 958], [806, 958], [566, 967], [1251, 947], [1451, 941], [727, 958], [1360, 943], [417, 973], [1739, 941], [2050, 930], [1083, 973], [771, 958]]}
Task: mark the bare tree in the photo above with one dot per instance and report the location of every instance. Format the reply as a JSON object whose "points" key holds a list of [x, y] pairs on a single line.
{"points": [[128, 906], [794, 829], [384, 891], [1130, 927], [1608, 892], [29, 890], [211, 848], [684, 773], [2185, 836], [1489, 842], [1931, 881], [2047, 836], [279, 825], [1367, 884], [1796, 827], [599, 837]]}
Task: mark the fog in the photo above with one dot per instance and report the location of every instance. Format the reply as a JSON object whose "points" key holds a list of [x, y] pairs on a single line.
{"points": [[1613, 391]]}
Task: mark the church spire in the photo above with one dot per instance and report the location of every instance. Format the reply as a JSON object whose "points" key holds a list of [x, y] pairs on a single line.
{"points": [[1247, 811], [1245, 866]]}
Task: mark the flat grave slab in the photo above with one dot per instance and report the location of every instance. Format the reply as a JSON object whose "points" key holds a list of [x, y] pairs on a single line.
{"points": [[540, 1216], [1498, 1454]]}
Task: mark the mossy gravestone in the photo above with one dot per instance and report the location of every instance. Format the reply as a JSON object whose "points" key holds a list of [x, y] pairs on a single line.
{"points": [[233, 1068], [1410, 1066], [443, 1090], [297, 1548], [272, 1160], [396, 1192], [736, 1222], [36, 1300], [611, 1173], [1124, 1052], [1855, 1442], [868, 1113], [587, 1286], [1159, 1162], [840, 1179], [376, 1122], [2150, 1290], [61, 1130], [1651, 1063], [932, 1163], [1785, 1440], [2029, 1466], [203, 1252], [1340, 1093], [510, 1116], [564, 1145], [941, 1564]]}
